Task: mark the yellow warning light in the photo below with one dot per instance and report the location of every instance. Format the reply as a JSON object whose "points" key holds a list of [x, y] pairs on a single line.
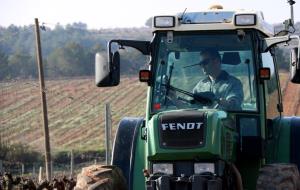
{"points": [[216, 7]]}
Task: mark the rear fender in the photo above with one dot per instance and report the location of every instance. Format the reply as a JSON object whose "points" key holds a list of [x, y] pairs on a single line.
{"points": [[284, 140], [295, 141], [124, 148]]}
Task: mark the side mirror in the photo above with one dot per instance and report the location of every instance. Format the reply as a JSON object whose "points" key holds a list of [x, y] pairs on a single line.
{"points": [[107, 73], [295, 66]]}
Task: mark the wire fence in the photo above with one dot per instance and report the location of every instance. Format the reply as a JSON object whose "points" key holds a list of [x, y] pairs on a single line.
{"points": [[58, 168]]}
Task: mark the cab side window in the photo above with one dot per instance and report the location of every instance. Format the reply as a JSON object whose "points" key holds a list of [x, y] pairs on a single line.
{"points": [[271, 87]]}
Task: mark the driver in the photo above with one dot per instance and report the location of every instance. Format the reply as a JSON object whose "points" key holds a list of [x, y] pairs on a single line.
{"points": [[227, 89]]}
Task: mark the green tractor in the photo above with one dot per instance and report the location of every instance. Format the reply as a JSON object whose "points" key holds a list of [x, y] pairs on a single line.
{"points": [[214, 108]]}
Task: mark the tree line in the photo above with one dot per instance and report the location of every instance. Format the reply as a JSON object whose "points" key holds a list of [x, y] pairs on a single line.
{"points": [[69, 50]]}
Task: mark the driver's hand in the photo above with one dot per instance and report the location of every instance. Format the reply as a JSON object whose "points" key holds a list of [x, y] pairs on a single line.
{"points": [[172, 94], [223, 102], [227, 103]]}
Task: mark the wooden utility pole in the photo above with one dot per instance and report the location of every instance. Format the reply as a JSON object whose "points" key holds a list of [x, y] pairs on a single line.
{"points": [[43, 99]]}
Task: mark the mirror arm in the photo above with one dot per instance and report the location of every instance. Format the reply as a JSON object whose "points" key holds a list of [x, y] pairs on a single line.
{"points": [[271, 42], [142, 46]]}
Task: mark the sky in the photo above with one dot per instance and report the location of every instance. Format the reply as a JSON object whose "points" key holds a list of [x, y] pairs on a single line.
{"points": [[126, 13]]}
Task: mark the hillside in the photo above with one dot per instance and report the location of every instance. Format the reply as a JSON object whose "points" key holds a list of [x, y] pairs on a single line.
{"points": [[76, 110]]}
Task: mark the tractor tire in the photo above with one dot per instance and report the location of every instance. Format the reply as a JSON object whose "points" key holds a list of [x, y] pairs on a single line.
{"points": [[100, 177], [278, 177]]}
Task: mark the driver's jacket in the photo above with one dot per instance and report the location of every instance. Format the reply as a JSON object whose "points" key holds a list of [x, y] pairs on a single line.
{"points": [[225, 86]]}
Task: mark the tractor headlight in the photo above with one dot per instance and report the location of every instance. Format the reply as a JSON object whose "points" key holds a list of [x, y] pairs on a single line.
{"points": [[165, 168], [164, 21], [245, 20], [204, 167]]}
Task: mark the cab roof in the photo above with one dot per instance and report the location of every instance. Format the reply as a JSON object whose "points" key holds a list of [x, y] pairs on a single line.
{"points": [[216, 19]]}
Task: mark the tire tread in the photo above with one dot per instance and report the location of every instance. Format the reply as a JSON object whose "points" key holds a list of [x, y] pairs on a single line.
{"points": [[278, 177], [100, 177]]}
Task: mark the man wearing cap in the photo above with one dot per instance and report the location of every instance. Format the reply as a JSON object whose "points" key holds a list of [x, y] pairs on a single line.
{"points": [[227, 89]]}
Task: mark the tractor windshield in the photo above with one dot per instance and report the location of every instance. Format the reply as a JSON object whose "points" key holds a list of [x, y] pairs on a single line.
{"points": [[203, 71]]}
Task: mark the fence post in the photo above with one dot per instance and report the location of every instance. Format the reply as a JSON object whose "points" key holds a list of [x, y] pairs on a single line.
{"points": [[72, 164], [107, 133], [1, 166], [40, 175], [22, 169], [33, 172], [51, 169]]}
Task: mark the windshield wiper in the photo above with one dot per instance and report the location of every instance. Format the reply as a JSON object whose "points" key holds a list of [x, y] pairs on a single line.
{"points": [[191, 65], [206, 98]]}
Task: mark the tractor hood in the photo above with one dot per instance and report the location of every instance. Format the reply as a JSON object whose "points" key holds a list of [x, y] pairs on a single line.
{"points": [[190, 134]]}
